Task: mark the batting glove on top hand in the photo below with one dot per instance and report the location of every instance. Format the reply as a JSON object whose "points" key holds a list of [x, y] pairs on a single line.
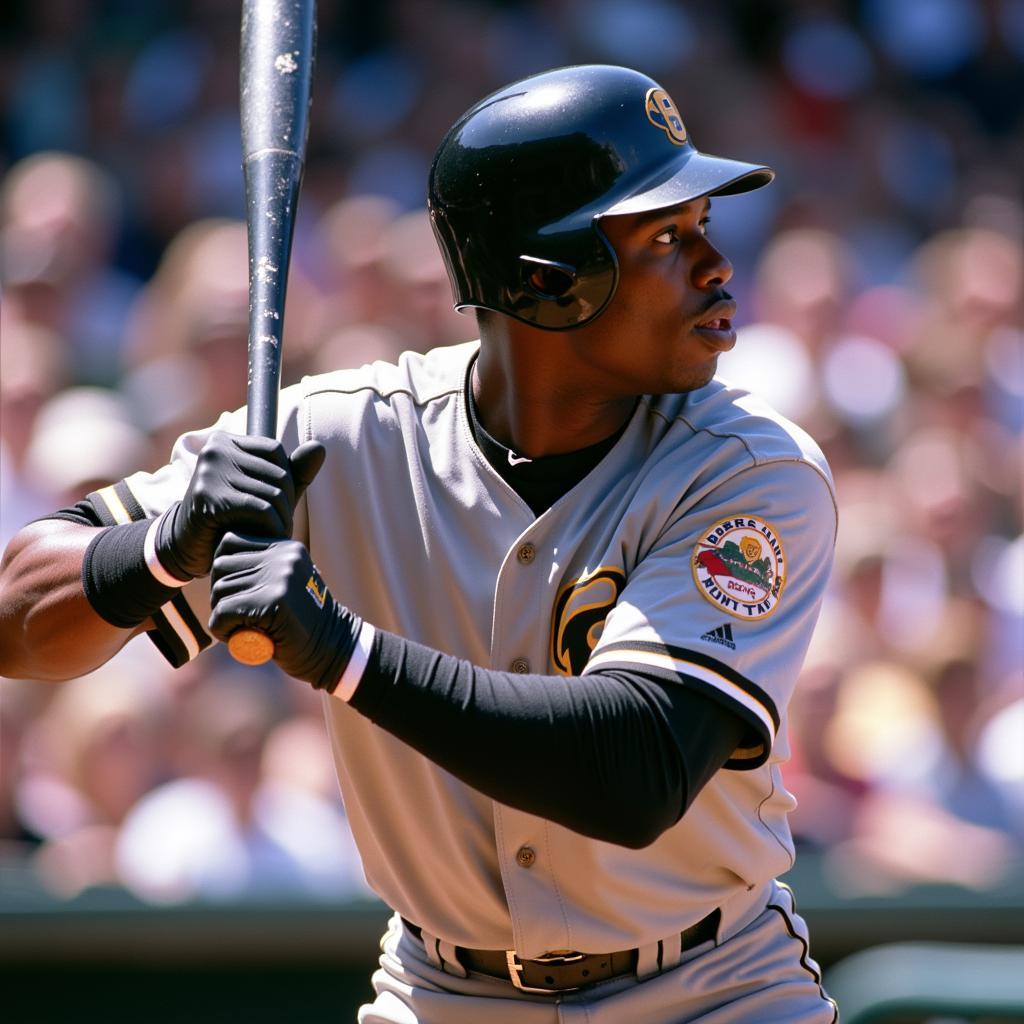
{"points": [[246, 484], [273, 586]]}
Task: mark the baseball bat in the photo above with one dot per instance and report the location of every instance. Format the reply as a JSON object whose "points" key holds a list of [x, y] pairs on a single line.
{"points": [[277, 50]]}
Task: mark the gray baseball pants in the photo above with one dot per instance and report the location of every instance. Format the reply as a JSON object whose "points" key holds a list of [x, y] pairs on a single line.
{"points": [[761, 974]]}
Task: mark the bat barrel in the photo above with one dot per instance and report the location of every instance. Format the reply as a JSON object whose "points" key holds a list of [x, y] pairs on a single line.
{"points": [[277, 48], [278, 38]]}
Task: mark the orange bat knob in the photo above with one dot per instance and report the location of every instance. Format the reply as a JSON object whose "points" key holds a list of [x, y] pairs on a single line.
{"points": [[250, 647]]}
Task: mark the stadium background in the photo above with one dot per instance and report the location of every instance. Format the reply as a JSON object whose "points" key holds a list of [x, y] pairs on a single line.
{"points": [[173, 841]]}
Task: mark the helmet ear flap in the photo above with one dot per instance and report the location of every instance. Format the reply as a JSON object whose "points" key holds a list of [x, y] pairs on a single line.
{"points": [[547, 279]]}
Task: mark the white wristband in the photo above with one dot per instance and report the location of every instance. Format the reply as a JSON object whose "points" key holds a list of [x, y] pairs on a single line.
{"points": [[356, 666], [159, 573]]}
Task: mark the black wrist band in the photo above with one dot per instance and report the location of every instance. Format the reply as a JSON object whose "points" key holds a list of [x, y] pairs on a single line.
{"points": [[116, 580]]}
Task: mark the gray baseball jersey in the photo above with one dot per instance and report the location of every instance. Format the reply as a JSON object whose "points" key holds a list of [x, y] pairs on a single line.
{"points": [[702, 542]]}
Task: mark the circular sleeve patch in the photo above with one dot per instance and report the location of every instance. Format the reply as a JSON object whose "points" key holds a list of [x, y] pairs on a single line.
{"points": [[739, 566]]}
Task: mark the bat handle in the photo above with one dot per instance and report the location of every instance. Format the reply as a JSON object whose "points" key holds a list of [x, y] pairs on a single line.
{"points": [[250, 646]]}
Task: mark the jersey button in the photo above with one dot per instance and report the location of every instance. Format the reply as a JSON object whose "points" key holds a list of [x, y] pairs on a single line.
{"points": [[525, 856], [526, 554], [520, 665]]}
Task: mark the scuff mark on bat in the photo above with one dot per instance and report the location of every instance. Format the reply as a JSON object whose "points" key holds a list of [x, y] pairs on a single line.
{"points": [[286, 63], [265, 269]]}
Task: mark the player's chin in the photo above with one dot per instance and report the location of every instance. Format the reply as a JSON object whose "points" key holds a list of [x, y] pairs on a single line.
{"points": [[704, 378], [697, 374], [698, 357]]}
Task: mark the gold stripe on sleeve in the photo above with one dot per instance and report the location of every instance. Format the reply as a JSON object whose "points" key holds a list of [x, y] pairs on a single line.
{"points": [[178, 624], [114, 504]]}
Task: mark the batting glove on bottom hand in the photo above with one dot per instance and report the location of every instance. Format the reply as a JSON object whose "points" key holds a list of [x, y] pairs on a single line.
{"points": [[273, 586]]}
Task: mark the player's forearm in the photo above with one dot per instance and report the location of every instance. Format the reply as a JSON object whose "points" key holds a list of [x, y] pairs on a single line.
{"points": [[48, 629]]}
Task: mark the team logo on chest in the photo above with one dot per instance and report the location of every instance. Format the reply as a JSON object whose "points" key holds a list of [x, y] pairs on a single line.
{"points": [[740, 567], [579, 615]]}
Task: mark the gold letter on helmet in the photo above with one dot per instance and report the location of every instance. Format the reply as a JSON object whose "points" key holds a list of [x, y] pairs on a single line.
{"points": [[662, 112]]}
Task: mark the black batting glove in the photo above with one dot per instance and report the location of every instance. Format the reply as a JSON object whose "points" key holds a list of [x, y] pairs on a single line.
{"points": [[273, 586], [245, 484]]}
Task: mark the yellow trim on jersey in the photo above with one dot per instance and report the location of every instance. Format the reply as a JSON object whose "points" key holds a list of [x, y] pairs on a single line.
{"points": [[114, 504], [180, 627], [666, 661]]}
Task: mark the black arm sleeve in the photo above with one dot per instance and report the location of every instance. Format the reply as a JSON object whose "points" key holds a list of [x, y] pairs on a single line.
{"points": [[616, 755], [82, 512]]}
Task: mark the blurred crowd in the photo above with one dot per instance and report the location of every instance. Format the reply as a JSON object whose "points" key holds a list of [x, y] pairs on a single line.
{"points": [[880, 283]]}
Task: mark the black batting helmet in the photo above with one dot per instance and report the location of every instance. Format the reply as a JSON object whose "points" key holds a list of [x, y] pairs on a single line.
{"points": [[520, 181]]}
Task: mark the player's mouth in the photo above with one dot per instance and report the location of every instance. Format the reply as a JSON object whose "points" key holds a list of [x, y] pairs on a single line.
{"points": [[715, 325]]}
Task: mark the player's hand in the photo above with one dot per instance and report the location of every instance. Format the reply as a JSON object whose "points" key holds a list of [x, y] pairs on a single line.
{"points": [[245, 484], [273, 586]]}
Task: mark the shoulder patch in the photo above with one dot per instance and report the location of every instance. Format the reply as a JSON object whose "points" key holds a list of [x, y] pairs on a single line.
{"points": [[740, 566]]}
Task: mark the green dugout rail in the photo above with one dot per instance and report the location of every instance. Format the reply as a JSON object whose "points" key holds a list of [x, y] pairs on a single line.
{"points": [[921, 981]]}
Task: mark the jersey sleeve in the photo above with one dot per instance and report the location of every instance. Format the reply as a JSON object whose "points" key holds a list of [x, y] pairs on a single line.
{"points": [[728, 596]]}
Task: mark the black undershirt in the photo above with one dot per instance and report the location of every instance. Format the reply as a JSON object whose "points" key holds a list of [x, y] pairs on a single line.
{"points": [[539, 482]]}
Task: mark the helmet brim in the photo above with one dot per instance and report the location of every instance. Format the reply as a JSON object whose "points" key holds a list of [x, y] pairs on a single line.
{"points": [[700, 175]]}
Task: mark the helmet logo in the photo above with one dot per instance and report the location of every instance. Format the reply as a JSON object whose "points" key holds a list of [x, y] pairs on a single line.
{"points": [[662, 113]]}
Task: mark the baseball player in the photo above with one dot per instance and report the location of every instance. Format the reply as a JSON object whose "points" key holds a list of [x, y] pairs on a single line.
{"points": [[555, 587]]}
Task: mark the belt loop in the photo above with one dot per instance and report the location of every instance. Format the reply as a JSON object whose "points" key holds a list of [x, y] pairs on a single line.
{"points": [[430, 945], [648, 960], [671, 952], [451, 959]]}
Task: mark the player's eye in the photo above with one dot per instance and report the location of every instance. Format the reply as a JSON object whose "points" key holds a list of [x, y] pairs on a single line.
{"points": [[667, 237], [705, 221]]}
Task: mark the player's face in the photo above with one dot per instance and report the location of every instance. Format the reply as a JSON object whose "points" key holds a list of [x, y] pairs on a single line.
{"points": [[670, 316]]}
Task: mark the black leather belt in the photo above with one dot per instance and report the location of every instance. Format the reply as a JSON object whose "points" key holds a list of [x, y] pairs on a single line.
{"points": [[566, 970]]}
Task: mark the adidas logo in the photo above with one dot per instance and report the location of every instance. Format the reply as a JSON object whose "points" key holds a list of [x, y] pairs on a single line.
{"points": [[722, 635]]}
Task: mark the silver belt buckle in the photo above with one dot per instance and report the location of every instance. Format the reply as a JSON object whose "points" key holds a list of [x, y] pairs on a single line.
{"points": [[515, 969]]}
